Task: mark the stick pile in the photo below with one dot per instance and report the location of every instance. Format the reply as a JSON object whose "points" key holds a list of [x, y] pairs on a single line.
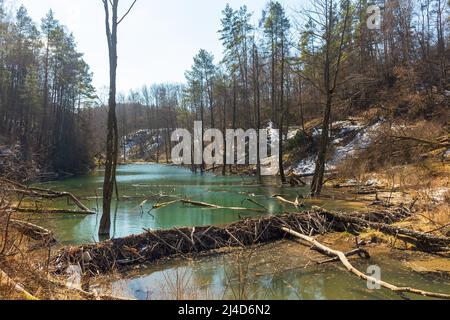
{"points": [[154, 245]]}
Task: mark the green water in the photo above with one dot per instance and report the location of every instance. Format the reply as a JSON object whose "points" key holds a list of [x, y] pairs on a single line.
{"points": [[276, 272], [138, 182], [214, 277]]}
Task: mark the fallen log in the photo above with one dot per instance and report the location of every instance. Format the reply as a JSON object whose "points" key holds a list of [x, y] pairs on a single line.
{"points": [[52, 211], [44, 194], [342, 257], [295, 203], [6, 281], [423, 241], [442, 143], [205, 205], [31, 231], [359, 252]]}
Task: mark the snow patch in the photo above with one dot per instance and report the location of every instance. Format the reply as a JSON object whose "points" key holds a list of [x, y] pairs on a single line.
{"points": [[292, 134], [362, 141], [306, 166], [342, 131]]}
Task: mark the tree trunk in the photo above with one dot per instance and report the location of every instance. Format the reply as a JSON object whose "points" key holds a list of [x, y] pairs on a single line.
{"points": [[112, 137], [317, 184]]}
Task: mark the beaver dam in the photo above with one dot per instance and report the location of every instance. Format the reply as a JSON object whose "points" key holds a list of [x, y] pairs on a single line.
{"points": [[191, 217]]}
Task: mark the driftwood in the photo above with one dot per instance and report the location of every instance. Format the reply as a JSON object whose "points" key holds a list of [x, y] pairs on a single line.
{"points": [[154, 245], [295, 203], [206, 205], [52, 211], [41, 193], [30, 230], [342, 257]]}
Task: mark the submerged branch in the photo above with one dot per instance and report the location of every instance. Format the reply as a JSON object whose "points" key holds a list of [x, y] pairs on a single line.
{"points": [[207, 205]]}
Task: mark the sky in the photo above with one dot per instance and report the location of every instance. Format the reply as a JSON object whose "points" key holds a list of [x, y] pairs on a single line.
{"points": [[157, 41]]}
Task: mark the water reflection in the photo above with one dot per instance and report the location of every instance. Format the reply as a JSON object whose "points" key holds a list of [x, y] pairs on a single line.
{"points": [[138, 182], [273, 273]]}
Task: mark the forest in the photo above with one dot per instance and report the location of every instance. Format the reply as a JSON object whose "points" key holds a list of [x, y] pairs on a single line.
{"points": [[358, 92]]}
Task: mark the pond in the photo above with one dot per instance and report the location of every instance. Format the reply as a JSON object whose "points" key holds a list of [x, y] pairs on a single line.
{"points": [[138, 182], [273, 272]]}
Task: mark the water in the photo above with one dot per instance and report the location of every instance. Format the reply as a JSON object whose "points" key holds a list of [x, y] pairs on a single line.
{"points": [[275, 272], [138, 182], [247, 275]]}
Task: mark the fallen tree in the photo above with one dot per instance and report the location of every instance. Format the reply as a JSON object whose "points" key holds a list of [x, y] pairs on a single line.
{"points": [[33, 231], [343, 258], [297, 204], [51, 211], [422, 241], [40, 193], [208, 205], [154, 245], [29, 230]]}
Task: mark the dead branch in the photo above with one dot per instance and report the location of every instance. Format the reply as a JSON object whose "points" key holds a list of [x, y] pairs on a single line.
{"points": [[296, 204], [359, 274], [422, 240], [32, 231], [206, 205], [52, 211], [41, 193]]}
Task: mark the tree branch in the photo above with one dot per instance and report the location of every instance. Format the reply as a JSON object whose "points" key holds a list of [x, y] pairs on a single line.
{"points": [[359, 274], [125, 15]]}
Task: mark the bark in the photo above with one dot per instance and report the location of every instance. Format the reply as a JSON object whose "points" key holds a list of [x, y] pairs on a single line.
{"points": [[330, 84], [112, 136]]}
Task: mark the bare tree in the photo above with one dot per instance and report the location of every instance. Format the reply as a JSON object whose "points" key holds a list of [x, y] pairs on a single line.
{"points": [[112, 22], [332, 65]]}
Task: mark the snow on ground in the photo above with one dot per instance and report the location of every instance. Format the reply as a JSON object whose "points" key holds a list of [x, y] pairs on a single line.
{"points": [[292, 133], [362, 140], [342, 131], [304, 167], [143, 140]]}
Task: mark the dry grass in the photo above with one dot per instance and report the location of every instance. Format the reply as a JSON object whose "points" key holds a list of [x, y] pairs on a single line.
{"points": [[28, 267], [390, 148], [26, 263]]}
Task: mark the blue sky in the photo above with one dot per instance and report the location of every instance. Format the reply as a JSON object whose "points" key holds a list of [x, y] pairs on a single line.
{"points": [[157, 41]]}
